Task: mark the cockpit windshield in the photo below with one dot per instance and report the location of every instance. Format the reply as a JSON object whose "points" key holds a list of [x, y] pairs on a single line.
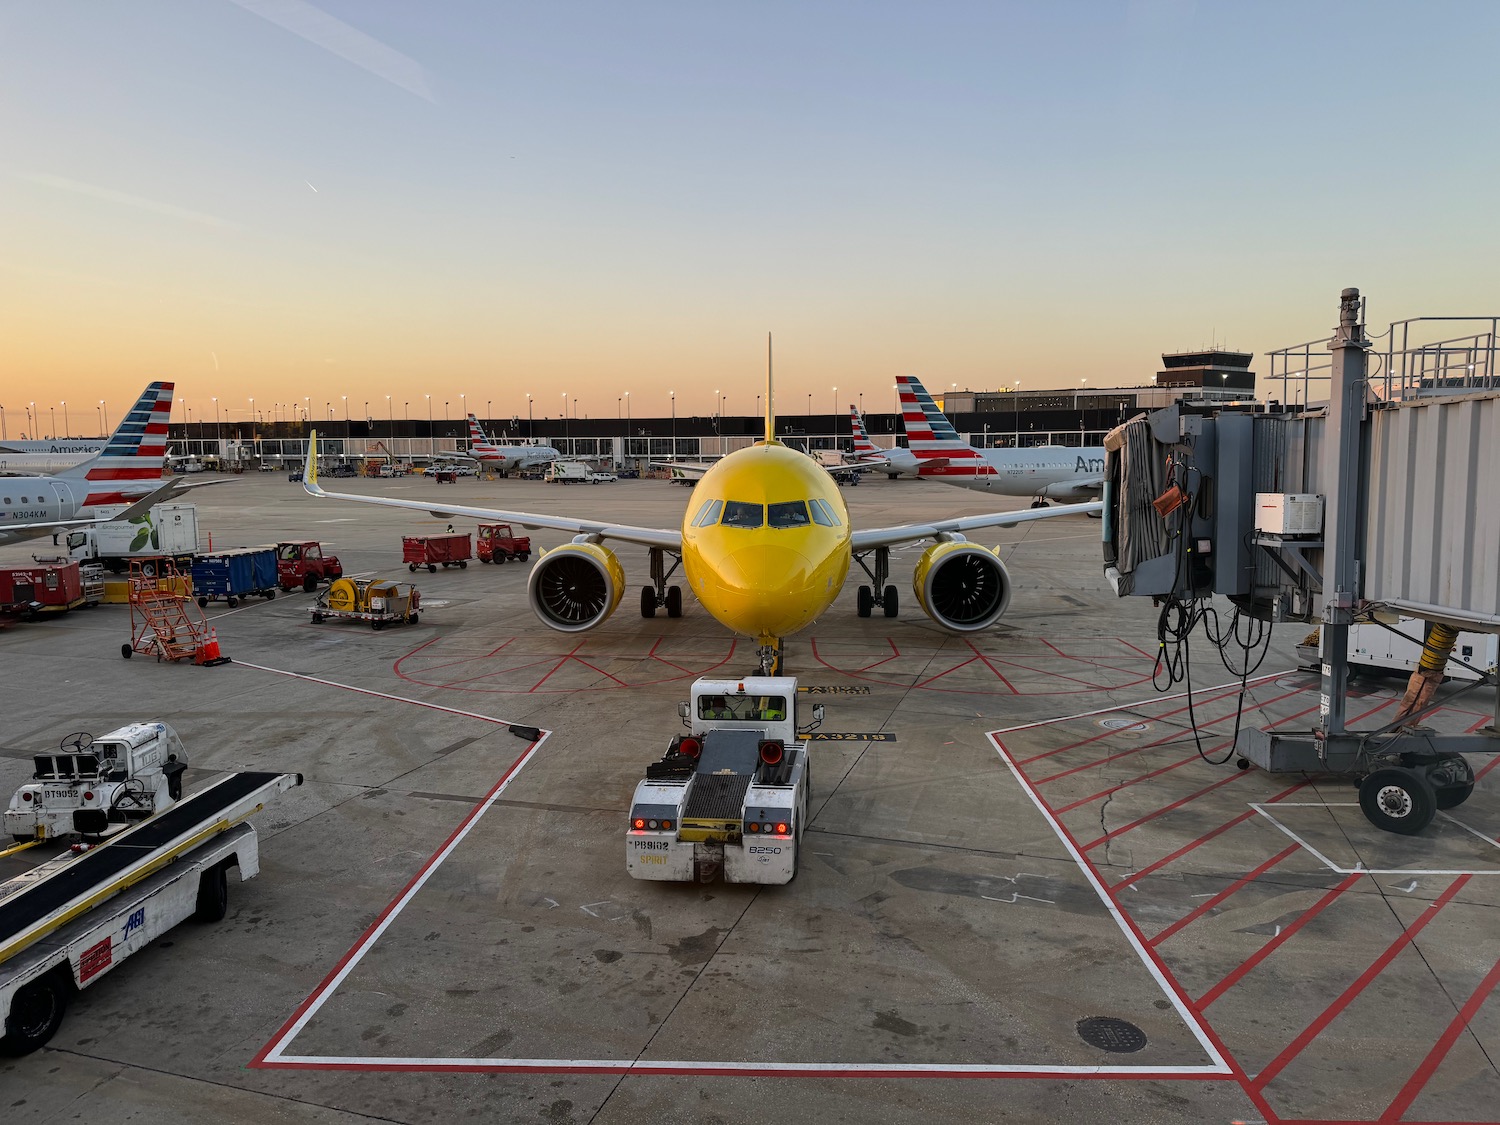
{"points": [[791, 513], [737, 513]]}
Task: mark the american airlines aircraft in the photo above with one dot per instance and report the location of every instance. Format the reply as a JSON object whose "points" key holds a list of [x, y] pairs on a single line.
{"points": [[1045, 472], [126, 475], [506, 457]]}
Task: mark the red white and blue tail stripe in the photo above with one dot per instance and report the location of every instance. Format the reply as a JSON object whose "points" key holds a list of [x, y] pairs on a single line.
{"points": [[130, 465], [863, 446], [932, 438], [480, 446]]}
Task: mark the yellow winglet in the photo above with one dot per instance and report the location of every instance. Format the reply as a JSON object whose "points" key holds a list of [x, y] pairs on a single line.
{"points": [[310, 470]]}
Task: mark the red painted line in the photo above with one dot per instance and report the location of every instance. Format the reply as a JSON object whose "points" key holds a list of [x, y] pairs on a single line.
{"points": [[1277, 942], [1173, 737], [1137, 780], [1174, 805], [1255, 1095], [1154, 719], [560, 662], [496, 650], [260, 1057], [1418, 1081], [986, 662], [949, 671], [1151, 656], [1314, 1029], [1205, 838], [601, 671], [1191, 917]]}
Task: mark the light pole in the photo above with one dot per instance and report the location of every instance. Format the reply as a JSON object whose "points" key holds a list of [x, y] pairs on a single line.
{"points": [[673, 395], [52, 411], [3, 434], [463, 401], [566, 429], [252, 410], [104, 411], [809, 404], [67, 429], [530, 421], [390, 411], [346, 410], [431, 437], [1016, 402], [627, 412], [31, 420], [835, 401]]}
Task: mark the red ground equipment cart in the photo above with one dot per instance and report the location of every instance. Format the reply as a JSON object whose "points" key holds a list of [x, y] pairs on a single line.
{"points": [[451, 549], [50, 587], [445, 476], [498, 544]]}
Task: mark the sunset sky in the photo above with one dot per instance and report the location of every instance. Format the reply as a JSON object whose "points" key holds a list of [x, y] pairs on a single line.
{"points": [[291, 201]]}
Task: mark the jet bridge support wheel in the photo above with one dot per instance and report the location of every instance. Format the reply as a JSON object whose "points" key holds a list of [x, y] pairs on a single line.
{"points": [[1398, 799]]}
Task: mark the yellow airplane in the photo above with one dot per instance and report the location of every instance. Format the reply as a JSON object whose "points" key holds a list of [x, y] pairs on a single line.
{"points": [[765, 545]]}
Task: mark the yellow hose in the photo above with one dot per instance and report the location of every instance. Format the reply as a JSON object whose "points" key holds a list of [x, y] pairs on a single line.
{"points": [[1439, 647]]}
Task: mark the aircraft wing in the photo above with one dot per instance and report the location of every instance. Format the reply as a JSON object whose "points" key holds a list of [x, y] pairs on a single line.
{"points": [[683, 470], [890, 536], [670, 539]]}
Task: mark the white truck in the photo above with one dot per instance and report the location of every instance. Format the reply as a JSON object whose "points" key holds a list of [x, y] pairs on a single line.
{"points": [[567, 472], [167, 529], [68, 920], [729, 796]]}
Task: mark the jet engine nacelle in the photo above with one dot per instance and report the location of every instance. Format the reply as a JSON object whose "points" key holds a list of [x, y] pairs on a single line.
{"points": [[962, 586], [576, 586]]}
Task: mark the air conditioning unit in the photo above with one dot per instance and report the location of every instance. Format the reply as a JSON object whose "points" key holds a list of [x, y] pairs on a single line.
{"points": [[1289, 513]]}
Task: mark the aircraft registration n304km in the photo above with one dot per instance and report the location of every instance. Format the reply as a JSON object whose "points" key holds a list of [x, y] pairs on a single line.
{"points": [[765, 545]]}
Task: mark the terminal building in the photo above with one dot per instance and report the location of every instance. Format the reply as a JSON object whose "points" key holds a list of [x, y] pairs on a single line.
{"points": [[1005, 417]]}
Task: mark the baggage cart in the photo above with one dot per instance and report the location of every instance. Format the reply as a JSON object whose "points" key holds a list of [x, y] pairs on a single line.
{"points": [[431, 550], [235, 574]]}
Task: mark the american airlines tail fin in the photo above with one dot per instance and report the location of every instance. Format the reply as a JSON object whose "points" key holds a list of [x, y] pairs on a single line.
{"points": [[939, 450], [130, 464], [862, 443], [477, 440]]}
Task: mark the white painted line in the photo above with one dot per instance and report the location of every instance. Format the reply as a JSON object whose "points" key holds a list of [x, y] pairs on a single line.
{"points": [[1220, 1065], [1360, 869], [332, 985], [377, 694], [276, 1056], [1196, 693]]}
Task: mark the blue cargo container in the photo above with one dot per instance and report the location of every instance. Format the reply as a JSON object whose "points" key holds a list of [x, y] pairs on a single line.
{"points": [[235, 574]]}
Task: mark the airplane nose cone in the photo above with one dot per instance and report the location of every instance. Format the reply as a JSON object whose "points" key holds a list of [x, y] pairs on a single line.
{"points": [[769, 590]]}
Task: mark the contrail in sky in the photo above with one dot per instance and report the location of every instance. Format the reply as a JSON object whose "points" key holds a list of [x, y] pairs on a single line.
{"points": [[348, 43], [109, 195]]}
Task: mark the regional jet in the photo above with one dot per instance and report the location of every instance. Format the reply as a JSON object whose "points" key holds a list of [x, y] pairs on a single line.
{"points": [[1044, 472], [765, 545]]}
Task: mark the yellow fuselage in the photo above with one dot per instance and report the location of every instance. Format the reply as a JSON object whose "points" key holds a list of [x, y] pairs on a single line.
{"points": [[772, 580]]}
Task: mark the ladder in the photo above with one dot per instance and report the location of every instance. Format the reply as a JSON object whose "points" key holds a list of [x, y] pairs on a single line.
{"points": [[163, 619]]}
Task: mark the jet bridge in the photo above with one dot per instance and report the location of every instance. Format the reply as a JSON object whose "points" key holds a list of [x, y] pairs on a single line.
{"points": [[1376, 503]]}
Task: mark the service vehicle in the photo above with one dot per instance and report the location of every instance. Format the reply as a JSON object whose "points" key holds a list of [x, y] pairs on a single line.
{"points": [[444, 476], [169, 530], [377, 601], [567, 472], [235, 574], [69, 919], [304, 563], [450, 549], [93, 783], [498, 543], [602, 477], [47, 586], [729, 796]]}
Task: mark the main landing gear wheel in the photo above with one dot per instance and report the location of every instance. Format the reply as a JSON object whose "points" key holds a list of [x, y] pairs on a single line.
{"points": [[659, 594], [674, 601], [648, 601], [890, 602], [864, 601], [1040, 504], [1398, 799]]}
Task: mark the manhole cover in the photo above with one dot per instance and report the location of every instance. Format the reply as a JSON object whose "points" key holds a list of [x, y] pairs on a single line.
{"points": [[1123, 724], [1110, 1034]]}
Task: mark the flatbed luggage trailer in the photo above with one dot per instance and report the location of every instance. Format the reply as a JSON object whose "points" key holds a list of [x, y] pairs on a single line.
{"points": [[729, 797], [451, 549], [66, 923]]}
